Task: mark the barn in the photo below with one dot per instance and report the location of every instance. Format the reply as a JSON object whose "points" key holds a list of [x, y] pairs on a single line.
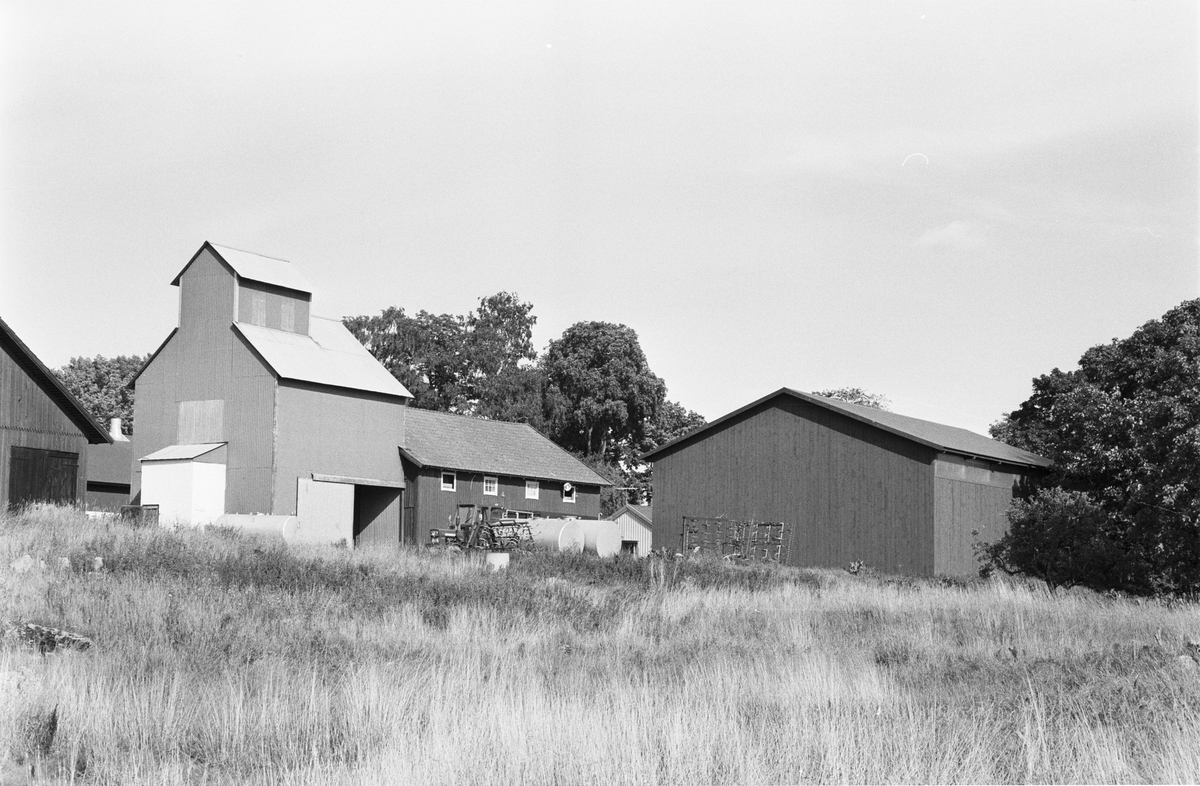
{"points": [[254, 405], [108, 468], [452, 460], [44, 431], [853, 483]]}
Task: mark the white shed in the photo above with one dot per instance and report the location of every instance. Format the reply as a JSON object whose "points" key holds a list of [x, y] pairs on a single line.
{"points": [[633, 522]]}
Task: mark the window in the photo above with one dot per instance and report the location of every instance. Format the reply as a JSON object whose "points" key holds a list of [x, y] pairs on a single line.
{"points": [[531, 489], [568, 493], [449, 481], [491, 486]]}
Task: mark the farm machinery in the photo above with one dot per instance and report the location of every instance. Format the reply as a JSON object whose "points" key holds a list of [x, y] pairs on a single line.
{"points": [[484, 528]]}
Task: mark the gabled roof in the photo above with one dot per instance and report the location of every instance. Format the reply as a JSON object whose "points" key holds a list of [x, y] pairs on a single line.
{"points": [[643, 513], [254, 267], [52, 386], [947, 439], [445, 441], [331, 355]]}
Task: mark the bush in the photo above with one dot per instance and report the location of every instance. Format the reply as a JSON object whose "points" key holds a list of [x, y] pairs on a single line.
{"points": [[1066, 538]]}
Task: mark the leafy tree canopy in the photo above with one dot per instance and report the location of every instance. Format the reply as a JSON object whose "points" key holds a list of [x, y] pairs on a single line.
{"points": [[1124, 429], [856, 396], [601, 392], [100, 385]]}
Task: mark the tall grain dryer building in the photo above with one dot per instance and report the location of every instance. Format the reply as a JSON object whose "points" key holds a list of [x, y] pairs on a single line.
{"points": [[254, 405], [854, 483]]}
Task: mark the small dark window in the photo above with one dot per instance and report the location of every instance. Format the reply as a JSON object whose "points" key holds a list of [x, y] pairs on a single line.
{"points": [[449, 481]]}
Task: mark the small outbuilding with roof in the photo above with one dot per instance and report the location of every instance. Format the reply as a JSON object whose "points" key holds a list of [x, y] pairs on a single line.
{"points": [[452, 460], [852, 483]]}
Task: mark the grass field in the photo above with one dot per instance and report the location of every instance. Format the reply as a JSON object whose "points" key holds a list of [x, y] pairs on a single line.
{"points": [[221, 659]]}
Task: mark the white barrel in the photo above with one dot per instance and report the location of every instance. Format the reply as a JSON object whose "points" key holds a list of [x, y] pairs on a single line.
{"points": [[601, 538], [557, 534], [496, 560], [260, 524]]}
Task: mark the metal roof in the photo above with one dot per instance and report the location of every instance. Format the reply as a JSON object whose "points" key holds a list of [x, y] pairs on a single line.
{"points": [[948, 439], [255, 267], [182, 452], [329, 356], [52, 386], [643, 513], [445, 441]]}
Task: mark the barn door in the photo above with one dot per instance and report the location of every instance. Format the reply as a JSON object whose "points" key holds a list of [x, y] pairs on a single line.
{"points": [[42, 476]]}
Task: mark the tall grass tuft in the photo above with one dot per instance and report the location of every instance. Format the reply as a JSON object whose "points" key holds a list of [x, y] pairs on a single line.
{"points": [[219, 658]]}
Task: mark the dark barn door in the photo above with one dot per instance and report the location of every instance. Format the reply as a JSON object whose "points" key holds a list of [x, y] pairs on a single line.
{"points": [[42, 476]]}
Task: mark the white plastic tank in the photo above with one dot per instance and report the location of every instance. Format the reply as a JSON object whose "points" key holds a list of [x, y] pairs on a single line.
{"points": [[557, 534], [601, 538], [260, 524]]}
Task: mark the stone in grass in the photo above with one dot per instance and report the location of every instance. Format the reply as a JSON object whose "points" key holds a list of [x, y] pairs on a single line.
{"points": [[46, 639], [1188, 664], [23, 564]]}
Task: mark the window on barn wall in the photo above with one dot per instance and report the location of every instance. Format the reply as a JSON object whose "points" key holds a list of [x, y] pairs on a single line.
{"points": [[491, 486], [449, 481], [568, 493], [531, 489]]}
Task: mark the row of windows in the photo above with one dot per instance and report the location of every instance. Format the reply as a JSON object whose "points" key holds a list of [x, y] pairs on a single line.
{"points": [[491, 487]]}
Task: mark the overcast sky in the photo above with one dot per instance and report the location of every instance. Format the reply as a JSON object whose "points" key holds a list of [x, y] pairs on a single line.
{"points": [[932, 201]]}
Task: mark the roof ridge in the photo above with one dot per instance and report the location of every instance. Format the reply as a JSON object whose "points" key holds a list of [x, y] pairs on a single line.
{"points": [[254, 253]]}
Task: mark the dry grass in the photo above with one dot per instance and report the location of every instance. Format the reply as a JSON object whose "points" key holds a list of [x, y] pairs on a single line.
{"points": [[221, 659]]}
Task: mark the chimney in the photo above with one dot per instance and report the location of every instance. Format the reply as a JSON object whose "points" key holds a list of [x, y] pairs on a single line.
{"points": [[114, 431]]}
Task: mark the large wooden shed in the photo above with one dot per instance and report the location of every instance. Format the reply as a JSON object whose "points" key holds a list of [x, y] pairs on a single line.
{"points": [[853, 483], [452, 460], [44, 431], [253, 405]]}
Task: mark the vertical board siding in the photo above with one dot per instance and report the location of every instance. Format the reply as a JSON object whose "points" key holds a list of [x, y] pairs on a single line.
{"points": [[849, 491], [435, 509], [280, 305], [31, 419], [377, 516], [346, 433], [631, 528], [971, 500]]}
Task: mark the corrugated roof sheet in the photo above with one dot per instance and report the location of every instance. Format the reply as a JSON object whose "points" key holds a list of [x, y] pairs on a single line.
{"points": [[256, 267], [445, 441], [52, 386], [329, 356], [182, 452], [110, 463], [949, 439]]}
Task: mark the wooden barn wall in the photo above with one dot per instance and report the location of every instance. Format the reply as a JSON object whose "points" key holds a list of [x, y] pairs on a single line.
{"points": [[206, 385], [971, 498], [334, 432], [436, 508], [848, 490], [377, 512], [274, 298], [631, 528], [31, 419]]}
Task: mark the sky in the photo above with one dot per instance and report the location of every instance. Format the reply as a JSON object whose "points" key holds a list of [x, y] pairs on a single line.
{"points": [[937, 202]]}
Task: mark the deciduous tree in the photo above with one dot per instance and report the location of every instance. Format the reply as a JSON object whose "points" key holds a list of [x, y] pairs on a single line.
{"points": [[100, 385], [1124, 428]]}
